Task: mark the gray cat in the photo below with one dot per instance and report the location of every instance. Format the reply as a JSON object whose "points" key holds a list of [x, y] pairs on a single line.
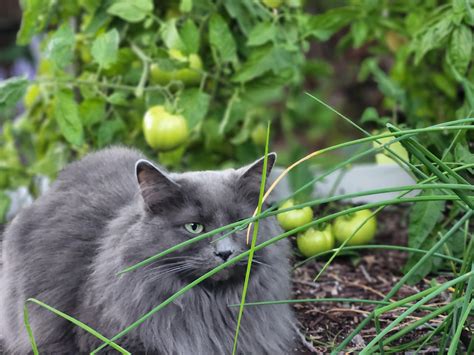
{"points": [[113, 209]]}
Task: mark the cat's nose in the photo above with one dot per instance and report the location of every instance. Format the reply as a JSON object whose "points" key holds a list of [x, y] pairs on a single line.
{"points": [[224, 255]]}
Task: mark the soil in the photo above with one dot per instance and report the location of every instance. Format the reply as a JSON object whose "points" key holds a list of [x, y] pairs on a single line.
{"points": [[369, 275]]}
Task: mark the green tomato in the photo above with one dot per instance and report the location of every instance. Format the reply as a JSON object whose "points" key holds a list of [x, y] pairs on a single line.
{"points": [[314, 241], [191, 75], [259, 134], [159, 76], [345, 226], [177, 55], [163, 130], [274, 4], [32, 95], [397, 147], [295, 218]]}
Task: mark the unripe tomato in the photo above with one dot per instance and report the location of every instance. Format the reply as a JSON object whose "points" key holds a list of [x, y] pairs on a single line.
{"points": [[31, 96], [345, 226], [191, 75], [397, 147], [314, 241], [259, 134], [159, 76], [295, 218], [274, 4], [163, 130], [177, 55]]}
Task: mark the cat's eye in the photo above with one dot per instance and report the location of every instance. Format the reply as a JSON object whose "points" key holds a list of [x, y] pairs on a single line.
{"points": [[194, 228]]}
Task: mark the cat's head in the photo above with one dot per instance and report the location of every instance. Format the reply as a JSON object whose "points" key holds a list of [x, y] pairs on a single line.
{"points": [[177, 207]]}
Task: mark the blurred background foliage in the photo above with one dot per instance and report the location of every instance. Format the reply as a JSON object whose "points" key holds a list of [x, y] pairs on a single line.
{"points": [[227, 67]]}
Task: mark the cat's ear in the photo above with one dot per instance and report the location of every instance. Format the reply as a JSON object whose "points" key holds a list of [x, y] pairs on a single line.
{"points": [[157, 188], [251, 175]]}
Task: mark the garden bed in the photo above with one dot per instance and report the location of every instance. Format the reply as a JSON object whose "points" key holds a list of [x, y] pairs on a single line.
{"points": [[370, 277]]}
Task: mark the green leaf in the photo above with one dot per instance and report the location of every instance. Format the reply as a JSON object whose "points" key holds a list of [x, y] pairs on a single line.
{"points": [[195, 105], [52, 161], [221, 39], [186, 5], [263, 60], [4, 206], [89, 5], [67, 116], [35, 14], [359, 31], [91, 111], [189, 34], [105, 48], [60, 48], [108, 130], [460, 49], [238, 11], [424, 217], [463, 154], [131, 10], [11, 91], [171, 36], [433, 37], [262, 33], [325, 25]]}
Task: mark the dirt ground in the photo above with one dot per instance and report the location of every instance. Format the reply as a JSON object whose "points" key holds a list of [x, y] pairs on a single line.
{"points": [[370, 276]]}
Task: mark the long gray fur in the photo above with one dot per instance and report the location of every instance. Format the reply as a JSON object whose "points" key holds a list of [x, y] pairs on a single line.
{"points": [[101, 216]]}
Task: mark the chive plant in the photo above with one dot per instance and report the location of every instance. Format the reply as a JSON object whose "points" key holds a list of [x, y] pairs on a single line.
{"points": [[433, 174]]}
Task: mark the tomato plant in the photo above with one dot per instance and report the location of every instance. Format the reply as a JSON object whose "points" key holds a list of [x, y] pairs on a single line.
{"points": [[215, 64]]}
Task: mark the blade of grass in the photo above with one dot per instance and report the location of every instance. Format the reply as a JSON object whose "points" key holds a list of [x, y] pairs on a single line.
{"points": [[453, 348], [378, 246], [404, 279], [317, 300], [254, 241], [26, 321], [77, 323], [465, 310], [421, 321], [400, 318], [421, 153]]}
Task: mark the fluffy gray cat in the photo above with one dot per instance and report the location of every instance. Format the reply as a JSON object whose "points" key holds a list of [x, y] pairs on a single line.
{"points": [[113, 209]]}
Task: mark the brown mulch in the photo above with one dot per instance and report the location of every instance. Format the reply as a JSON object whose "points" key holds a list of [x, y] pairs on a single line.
{"points": [[371, 275]]}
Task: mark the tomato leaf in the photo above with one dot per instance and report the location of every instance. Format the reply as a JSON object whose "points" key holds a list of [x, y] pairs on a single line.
{"points": [[131, 11], [67, 116], [91, 111], [171, 36], [189, 34], [221, 39], [60, 47], [35, 14], [324, 25], [195, 104], [11, 91], [460, 49], [186, 5], [105, 48], [262, 33], [434, 36], [108, 130]]}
